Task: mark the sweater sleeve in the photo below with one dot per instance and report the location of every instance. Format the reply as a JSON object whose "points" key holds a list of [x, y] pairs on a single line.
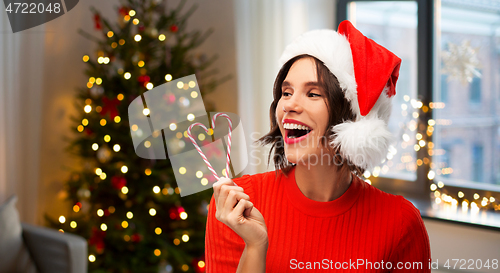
{"points": [[412, 253], [223, 247]]}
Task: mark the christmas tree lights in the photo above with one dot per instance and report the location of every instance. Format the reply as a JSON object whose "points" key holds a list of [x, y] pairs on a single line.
{"points": [[128, 208]]}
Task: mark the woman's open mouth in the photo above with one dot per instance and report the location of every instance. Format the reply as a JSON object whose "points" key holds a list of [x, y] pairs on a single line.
{"points": [[295, 131]]}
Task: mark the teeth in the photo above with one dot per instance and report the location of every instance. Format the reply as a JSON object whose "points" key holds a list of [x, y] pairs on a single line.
{"points": [[290, 126]]}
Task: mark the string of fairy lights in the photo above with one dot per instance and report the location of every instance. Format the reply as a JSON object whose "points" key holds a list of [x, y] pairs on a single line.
{"points": [[439, 194], [177, 213], [407, 160]]}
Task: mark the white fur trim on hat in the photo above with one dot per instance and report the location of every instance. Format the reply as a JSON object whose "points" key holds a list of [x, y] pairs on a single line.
{"points": [[366, 141]]}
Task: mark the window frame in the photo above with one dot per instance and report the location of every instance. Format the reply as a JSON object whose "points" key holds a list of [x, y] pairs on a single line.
{"points": [[425, 68], [419, 191]]}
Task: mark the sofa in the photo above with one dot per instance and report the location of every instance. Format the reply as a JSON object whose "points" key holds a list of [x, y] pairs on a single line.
{"points": [[26, 248]]}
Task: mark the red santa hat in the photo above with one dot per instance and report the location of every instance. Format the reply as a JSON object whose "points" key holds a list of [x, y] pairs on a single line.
{"points": [[367, 74]]}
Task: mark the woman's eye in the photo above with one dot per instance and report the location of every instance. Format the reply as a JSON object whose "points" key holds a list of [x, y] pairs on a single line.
{"points": [[285, 94], [312, 94]]}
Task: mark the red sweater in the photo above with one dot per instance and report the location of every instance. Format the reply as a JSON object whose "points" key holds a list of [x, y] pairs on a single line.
{"points": [[363, 230]]}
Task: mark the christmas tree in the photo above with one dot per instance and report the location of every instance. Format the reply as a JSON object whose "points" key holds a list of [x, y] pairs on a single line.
{"points": [[128, 208]]}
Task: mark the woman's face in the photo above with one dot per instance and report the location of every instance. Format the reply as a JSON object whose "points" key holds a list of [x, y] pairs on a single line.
{"points": [[302, 114]]}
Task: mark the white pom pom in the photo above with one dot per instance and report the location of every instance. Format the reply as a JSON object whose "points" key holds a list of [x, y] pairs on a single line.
{"points": [[365, 142]]}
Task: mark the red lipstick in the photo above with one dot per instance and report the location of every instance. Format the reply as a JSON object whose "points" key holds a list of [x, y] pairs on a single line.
{"points": [[294, 139]]}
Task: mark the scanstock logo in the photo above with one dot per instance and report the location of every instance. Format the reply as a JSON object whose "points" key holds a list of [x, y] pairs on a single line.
{"points": [[25, 14], [159, 121]]}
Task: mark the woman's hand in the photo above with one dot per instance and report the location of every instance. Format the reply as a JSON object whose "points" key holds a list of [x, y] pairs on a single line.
{"points": [[234, 209]]}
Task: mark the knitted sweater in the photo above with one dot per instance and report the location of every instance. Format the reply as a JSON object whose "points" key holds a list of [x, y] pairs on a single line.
{"points": [[364, 230]]}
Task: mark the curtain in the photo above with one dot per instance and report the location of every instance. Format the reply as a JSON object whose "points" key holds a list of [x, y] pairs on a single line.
{"points": [[21, 58], [263, 29]]}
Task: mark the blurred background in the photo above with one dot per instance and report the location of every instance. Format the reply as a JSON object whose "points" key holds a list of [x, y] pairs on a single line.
{"points": [[446, 113]]}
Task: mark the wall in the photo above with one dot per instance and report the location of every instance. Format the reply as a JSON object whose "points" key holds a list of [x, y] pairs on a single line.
{"points": [[454, 241]]}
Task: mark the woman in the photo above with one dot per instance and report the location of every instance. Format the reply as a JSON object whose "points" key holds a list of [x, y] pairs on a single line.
{"points": [[332, 100]]}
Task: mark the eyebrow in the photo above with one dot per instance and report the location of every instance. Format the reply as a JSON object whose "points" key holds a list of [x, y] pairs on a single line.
{"points": [[307, 84]]}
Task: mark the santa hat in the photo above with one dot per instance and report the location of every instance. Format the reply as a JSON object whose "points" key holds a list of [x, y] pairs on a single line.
{"points": [[367, 74]]}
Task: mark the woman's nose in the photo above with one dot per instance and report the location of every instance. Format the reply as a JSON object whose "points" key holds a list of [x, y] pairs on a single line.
{"points": [[292, 105]]}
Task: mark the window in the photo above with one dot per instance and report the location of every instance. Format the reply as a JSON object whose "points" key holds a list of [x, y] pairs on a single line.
{"points": [[393, 24], [449, 144], [444, 156], [444, 89], [477, 163], [475, 90], [469, 60]]}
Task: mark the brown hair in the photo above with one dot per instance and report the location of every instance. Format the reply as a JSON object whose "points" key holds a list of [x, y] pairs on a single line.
{"points": [[340, 113]]}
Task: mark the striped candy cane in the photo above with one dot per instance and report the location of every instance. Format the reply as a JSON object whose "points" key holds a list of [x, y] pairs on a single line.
{"points": [[228, 156]]}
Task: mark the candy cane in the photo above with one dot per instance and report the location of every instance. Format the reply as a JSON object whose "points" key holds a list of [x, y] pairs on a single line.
{"points": [[228, 157]]}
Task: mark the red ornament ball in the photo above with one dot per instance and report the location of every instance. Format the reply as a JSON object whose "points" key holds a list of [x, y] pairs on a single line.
{"points": [[136, 237], [97, 239], [143, 79], [196, 265], [97, 21], [110, 106], [118, 182], [174, 215], [174, 28], [124, 11], [169, 98]]}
